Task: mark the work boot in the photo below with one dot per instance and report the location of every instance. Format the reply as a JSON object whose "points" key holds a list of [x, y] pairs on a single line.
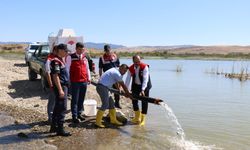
{"points": [[113, 119], [61, 131], [137, 118], [99, 116], [53, 128], [75, 120], [81, 118], [143, 118]]}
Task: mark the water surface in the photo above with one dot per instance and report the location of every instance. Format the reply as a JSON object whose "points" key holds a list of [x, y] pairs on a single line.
{"points": [[213, 110]]}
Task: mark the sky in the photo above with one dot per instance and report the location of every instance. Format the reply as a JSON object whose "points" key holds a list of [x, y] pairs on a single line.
{"points": [[129, 22]]}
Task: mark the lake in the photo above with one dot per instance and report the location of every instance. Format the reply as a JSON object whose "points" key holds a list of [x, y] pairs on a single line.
{"points": [[214, 111]]}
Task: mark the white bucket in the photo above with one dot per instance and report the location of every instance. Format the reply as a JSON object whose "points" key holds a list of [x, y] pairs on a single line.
{"points": [[90, 107]]}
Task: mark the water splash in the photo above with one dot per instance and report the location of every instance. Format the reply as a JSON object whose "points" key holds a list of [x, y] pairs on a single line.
{"points": [[171, 116], [177, 144]]}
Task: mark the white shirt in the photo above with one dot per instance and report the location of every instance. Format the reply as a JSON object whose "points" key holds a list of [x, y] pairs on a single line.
{"points": [[145, 76], [47, 66], [110, 77]]}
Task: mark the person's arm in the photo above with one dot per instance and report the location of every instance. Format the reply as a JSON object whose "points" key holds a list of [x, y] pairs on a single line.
{"points": [[49, 80], [88, 71], [145, 80], [55, 70], [47, 70], [90, 61], [128, 80], [68, 62], [117, 86], [47, 66], [58, 85], [127, 94]]}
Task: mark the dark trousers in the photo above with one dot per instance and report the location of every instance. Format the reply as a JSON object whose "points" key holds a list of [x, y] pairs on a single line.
{"points": [[116, 96], [136, 90], [60, 106], [78, 95]]}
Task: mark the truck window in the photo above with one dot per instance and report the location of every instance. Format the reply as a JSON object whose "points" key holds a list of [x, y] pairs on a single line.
{"points": [[44, 51], [33, 48], [36, 52]]}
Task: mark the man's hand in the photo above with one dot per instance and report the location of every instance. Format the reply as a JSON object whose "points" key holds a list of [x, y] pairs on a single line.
{"points": [[61, 94], [142, 93]]}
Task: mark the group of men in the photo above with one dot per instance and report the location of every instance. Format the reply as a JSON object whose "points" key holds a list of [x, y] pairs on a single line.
{"points": [[73, 70]]}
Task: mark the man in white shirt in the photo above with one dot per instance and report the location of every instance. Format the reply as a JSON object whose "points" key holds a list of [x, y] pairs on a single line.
{"points": [[106, 81], [141, 84]]}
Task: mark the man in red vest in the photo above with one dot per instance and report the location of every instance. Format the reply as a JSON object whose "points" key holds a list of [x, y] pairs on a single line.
{"points": [[79, 78], [141, 84]]}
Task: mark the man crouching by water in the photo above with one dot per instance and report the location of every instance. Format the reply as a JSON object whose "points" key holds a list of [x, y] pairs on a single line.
{"points": [[60, 77], [106, 81]]}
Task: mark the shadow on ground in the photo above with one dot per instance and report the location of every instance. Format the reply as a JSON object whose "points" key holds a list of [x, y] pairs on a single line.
{"points": [[13, 132], [26, 89], [20, 65]]}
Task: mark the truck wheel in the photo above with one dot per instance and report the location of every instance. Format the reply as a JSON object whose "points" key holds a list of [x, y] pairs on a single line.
{"points": [[32, 74], [44, 82]]}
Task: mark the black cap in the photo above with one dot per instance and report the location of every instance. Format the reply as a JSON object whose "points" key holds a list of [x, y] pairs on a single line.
{"points": [[106, 47], [79, 44], [63, 47]]}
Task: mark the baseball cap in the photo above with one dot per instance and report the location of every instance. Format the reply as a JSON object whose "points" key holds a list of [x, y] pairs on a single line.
{"points": [[107, 47], [63, 47]]}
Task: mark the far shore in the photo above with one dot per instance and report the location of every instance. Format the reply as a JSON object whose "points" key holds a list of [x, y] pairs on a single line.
{"points": [[232, 53], [18, 55]]}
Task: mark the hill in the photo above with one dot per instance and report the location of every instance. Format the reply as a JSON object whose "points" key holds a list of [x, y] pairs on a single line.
{"points": [[189, 49]]}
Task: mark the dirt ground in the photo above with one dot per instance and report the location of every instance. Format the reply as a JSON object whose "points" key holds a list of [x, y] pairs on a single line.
{"points": [[24, 105]]}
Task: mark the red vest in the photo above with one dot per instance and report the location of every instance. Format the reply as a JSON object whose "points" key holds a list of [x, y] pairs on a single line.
{"points": [[50, 56], [78, 68], [132, 72], [107, 58], [108, 61], [132, 68]]}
